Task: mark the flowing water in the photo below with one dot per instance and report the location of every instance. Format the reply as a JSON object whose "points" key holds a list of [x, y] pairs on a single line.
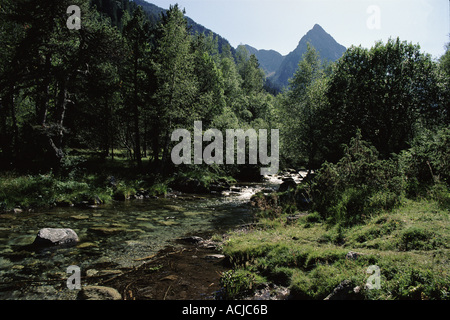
{"points": [[112, 237]]}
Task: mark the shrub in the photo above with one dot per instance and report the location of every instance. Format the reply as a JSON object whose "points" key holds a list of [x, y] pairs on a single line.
{"points": [[412, 283], [417, 238], [428, 159], [358, 185], [440, 193]]}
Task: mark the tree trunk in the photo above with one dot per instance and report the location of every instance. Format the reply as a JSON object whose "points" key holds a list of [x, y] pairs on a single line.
{"points": [[42, 106], [155, 144], [63, 100], [137, 136]]}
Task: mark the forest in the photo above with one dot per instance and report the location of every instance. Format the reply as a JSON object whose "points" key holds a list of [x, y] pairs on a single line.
{"points": [[81, 107], [118, 87]]}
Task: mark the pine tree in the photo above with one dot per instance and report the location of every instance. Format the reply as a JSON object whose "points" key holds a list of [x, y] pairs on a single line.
{"points": [[173, 63], [136, 33]]}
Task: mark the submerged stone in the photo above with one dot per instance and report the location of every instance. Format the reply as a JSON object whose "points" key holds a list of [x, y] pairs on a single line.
{"points": [[87, 245], [80, 217], [99, 293], [106, 230]]}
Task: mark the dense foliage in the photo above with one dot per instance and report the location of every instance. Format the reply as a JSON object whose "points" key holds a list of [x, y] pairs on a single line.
{"points": [[121, 82], [86, 116]]}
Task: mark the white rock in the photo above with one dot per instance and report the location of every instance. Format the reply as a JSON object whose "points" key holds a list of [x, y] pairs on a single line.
{"points": [[52, 237]]}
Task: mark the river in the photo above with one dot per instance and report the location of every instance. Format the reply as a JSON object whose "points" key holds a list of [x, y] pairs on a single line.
{"points": [[112, 237]]}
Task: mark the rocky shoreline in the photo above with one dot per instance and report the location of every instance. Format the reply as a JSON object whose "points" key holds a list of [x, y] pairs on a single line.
{"points": [[189, 270], [190, 267]]}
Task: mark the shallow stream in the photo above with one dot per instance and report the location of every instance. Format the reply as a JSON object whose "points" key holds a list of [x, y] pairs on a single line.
{"points": [[112, 237]]}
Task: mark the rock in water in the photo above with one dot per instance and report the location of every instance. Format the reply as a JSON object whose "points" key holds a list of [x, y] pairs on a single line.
{"points": [[47, 237], [288, 183], [98, 293]]}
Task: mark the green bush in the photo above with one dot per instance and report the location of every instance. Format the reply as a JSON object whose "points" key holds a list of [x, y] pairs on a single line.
{"points": [[158, 189], [26, 191], [417, 238], [414, 284], [123, 192], [440, 193], [359, 185], [427, 166], [428, 159]]}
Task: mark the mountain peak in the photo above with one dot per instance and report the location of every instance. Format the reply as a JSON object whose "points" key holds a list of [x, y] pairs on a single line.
{"points": [[317, 27], [317, 33], [322, 41]]}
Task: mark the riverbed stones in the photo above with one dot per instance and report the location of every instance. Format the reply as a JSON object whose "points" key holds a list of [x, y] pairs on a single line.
{"points": [[48, 237], [87, 245], [80, 217], [345, 291], [106, 231], [191, 239], [98, 293], [102, 273], [270, 292]]}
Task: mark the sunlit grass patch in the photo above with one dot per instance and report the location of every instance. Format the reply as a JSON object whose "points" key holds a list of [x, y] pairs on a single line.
{"points": [[410, 245]]}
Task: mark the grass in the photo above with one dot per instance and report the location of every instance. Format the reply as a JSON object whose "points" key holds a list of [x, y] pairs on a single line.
{"points": [[411, 245], [86, 177], [41, 191], [81, 180]]}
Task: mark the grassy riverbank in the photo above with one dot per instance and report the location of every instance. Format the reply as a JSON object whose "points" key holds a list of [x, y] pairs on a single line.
{"points": [[90, 180], [410, 245], [362, 211]]}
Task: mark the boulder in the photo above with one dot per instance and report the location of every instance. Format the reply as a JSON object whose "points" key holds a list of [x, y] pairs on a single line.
{"points": [[191, 239], [48, 237], [98, 293], [353, 255], [219, 186], [288, 183]]}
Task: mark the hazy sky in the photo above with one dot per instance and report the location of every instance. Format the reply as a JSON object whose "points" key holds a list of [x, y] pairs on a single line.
{"points": [[280, 24]]}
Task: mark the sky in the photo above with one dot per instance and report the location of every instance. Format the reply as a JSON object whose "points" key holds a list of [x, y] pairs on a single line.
{"points": [[280, 24]]}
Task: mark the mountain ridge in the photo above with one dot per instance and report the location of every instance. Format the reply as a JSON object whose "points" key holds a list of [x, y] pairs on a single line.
{"points": [[269, 60], [328, 48], [153, 12], [278, 68]]}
